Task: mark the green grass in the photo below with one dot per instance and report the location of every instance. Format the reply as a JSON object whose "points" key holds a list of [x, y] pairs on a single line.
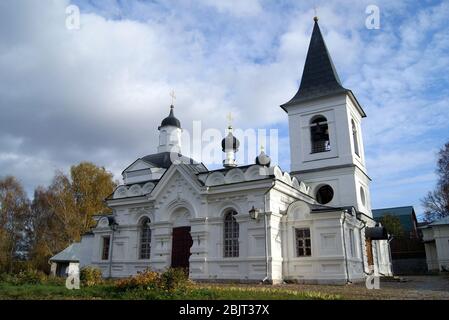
{"points": [[107, 291]]}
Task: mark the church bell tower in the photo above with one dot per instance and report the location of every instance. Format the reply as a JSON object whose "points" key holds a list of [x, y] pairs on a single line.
{"points": [[326, 143]]}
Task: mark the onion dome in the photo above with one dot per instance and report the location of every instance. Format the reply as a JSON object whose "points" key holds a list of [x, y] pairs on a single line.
{"points": [[263, 159], [171, 120], [230, 143]]}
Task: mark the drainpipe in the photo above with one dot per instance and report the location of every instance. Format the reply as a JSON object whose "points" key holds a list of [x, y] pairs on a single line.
{"points": [[344, 246], [112, 251], [361, 247], [267, 263], [114, 225]]}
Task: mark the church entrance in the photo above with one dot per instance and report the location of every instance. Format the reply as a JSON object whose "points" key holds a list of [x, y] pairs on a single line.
{"points": [[369, 251], [181, 243]]}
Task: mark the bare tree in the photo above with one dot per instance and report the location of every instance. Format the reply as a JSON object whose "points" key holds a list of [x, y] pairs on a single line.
{"points": [[436, 203]]}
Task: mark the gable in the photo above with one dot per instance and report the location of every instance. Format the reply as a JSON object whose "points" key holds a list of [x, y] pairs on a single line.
{"points": [[139, 164], [177, 173]]}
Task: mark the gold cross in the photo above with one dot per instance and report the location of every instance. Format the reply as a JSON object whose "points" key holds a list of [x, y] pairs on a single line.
{"points": [[173, 97]]}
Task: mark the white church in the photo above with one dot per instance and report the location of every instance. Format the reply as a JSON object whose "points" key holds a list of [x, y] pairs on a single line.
{"points": [[251, 222]]}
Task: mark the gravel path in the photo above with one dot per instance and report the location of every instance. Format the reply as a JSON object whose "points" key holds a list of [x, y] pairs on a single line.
{"points": [[414, 287]]}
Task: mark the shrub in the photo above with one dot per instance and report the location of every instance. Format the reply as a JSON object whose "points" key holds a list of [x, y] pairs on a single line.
{"points": [[7, 278], [146, 279], [91, 276], [31, 277], [170, 280], [175, 279]]}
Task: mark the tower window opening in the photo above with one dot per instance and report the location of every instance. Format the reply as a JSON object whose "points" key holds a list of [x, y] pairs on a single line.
{"points": [[355, 139], [319, 134]]}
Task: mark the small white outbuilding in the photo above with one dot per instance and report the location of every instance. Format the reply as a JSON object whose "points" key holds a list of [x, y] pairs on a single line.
{"points": [[66, 262], [436, 241]]}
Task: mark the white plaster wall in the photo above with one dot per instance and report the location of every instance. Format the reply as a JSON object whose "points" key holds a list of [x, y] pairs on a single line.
{"points": [[441, 234], [169, 139], [437, 252], [179, 202], [338, 110]]}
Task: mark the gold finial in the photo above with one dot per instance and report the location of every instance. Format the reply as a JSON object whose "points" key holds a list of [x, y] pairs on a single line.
{"points": [[173, 97], [262, 148], [315, 18]]}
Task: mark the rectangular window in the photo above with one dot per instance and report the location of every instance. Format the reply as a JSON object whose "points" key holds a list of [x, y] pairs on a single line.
{"points": [[351, 242], [303, 243], [106, 245]]}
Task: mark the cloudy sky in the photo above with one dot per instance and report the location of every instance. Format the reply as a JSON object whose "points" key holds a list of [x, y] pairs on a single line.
{"points": [[99, 93]]}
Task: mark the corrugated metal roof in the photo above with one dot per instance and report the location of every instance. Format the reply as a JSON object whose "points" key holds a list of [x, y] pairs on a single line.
{"points": [[440, 222], [71, 253]]}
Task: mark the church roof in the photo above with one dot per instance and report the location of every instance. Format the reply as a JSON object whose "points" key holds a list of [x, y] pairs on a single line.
{"points": [[319, 78], [164, 159], [171, 120]]}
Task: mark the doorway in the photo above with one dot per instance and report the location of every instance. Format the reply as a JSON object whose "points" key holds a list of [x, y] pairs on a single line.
{"points": [[181, 244], [369, 251]]}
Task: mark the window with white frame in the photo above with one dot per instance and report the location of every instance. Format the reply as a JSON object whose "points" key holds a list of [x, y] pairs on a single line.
{"points": [[145, 239], [231, 235], [303, 242]]}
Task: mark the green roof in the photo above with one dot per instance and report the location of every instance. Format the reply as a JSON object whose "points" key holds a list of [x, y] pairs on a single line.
{"points": [[406, 216]]}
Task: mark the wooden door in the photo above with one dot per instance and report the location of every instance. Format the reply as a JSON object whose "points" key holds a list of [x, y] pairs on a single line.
{"points": [[369, 251], [181, 243]]}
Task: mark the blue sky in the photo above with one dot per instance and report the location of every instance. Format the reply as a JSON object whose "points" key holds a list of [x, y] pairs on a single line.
{"points": [[99, 93]]}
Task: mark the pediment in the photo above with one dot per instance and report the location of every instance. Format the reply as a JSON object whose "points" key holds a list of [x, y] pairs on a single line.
{"points": [[175, 180]]}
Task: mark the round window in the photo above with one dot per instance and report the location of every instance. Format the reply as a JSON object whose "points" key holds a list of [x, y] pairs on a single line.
{"points": [[362, 196], [325, 194]]}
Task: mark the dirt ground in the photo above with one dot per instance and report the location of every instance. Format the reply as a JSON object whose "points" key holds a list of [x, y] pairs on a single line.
{"points": [[435, 287]]}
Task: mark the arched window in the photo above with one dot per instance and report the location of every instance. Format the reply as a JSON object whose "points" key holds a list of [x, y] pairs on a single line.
{"points": [[319, 134], [231, 235], [354, 138], [362, 196], [145, 239]]}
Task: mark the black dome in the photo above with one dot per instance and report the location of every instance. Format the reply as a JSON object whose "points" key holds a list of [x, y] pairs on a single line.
{"points": [[230, 143], [171, 120], [263, 159]]}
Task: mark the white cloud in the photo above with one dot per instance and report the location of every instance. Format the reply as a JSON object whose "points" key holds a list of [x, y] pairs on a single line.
{"points": [[99, 93], [236, 7]]}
